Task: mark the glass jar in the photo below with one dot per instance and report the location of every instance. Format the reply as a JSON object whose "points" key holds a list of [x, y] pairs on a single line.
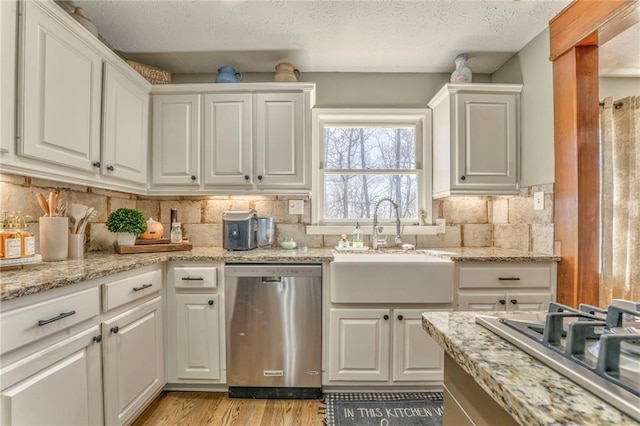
{"points": [[176, 233]]}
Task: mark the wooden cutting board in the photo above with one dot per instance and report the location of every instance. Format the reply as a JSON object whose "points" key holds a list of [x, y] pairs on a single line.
{"points": [[152, 248], [140, 241]]}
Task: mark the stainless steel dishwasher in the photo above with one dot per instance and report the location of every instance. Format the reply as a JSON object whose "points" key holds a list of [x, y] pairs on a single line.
{"points": [[274, 330]]}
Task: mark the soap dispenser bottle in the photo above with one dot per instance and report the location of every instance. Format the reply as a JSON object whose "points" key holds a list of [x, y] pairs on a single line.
{"points": [[358, 237]]}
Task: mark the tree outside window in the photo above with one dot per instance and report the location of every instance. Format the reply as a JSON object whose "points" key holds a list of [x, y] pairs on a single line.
{"points": [[366, 159]]}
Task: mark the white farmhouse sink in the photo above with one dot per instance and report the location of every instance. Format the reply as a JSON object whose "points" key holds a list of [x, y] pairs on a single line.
{"points": [[391, 278]]}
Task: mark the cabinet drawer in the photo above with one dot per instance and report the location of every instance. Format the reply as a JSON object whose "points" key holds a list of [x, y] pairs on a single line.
{"points": [[521, 275], [120, 292], [194, 277], [25, 325]]}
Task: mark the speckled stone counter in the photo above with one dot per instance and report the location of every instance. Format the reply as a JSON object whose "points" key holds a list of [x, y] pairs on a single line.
{"points": [[49, 275], [491, 254], [527, 389]]}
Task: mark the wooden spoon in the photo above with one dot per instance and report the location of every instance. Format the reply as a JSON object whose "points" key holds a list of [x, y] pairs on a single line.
{"points": [[43, 204], [53, 202]]}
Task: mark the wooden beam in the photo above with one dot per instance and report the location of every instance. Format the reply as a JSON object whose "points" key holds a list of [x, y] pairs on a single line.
{"points": [[590, 23], [575, 35], [576, 174]]}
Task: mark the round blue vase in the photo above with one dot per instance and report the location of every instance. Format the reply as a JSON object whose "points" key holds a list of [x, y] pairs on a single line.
{"points": [[228, 74]]}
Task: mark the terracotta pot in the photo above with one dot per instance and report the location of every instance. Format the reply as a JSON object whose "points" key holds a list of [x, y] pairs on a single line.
{"points": [[285, 72]]}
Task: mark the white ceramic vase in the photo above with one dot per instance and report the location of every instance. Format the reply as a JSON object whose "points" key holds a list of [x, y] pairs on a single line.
{"points": [[126, 239], [462, 73]]}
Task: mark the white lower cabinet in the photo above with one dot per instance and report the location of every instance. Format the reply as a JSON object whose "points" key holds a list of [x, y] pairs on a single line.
{"points": [[195, 329], [198, 330], [133, 360], [416, 356], [505, 286], [504, 301], [359, 347], [59, 385], [381, 345], [63, 361]]}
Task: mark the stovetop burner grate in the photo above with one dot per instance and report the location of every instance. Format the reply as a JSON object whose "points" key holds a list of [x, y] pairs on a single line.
{"points": [[599, 349]]}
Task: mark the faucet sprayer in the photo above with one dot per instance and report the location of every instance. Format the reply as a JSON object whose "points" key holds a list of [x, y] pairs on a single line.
{"points": [[377, 229]]}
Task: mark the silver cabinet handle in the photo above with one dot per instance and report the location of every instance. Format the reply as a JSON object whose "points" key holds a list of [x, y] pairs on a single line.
{"points": [[59, 317], [142, 287]]}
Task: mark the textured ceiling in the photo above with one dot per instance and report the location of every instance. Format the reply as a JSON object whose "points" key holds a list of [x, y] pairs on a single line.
{"points": [[320, 36], [620, 56]]}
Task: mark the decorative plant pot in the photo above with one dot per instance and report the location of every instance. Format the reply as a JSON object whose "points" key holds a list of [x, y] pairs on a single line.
{"points": [[462, 73], [126, 239]]}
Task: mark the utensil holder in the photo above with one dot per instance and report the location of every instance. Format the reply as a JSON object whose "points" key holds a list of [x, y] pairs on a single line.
{"points": [[76, 246], [54, 241]]}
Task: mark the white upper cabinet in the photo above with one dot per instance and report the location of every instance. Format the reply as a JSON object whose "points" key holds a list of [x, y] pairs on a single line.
{"points": [[255, 137], [82, 114], [176, 140], [228, 141], [281, 152], [8, 40], [125, 128], [62, 93], [265, 150], [476, 139]]}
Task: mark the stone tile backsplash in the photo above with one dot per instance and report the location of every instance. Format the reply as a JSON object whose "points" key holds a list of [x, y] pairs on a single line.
{"points": [[505, 222]]}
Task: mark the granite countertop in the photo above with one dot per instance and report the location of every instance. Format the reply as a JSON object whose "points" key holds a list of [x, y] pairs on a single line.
{"points": [[49, 275], [44, 276], [530, 391]]}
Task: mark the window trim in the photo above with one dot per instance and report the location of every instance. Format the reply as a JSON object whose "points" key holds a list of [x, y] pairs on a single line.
{"points": [[419, 117]]}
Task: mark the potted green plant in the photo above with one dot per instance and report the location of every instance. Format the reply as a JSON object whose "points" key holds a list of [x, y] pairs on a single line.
{"points": [[127, 224]]}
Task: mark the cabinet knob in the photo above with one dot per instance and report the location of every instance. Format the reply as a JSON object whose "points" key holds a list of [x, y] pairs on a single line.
{"points": [[97, 338], [514, 301], [386, 317], [110, 168], [463, 178], [96, 164], [210, 302], [193, 177], [246, 177], [115, 329], [502, 301], [400, 317], [260, 177]]}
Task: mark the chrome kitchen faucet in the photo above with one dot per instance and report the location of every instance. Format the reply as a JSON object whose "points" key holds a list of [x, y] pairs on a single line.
{"points": [[378, 229]]}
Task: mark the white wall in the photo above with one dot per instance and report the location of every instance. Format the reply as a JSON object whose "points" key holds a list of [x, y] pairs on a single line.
{"points": [[619, 87], [532, 68], [337, 90]]}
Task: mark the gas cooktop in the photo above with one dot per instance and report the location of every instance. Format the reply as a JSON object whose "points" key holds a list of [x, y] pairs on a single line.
{"points": [[596, 348]]}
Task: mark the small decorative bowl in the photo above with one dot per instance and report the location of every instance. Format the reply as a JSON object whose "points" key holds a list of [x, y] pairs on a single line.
{"points": [[288, 244]]}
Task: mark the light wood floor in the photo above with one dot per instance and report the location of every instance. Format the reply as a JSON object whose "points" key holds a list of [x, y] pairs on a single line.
{"points": [[208, 408]]}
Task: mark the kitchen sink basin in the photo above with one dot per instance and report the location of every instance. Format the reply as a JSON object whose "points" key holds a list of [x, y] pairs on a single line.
{"points": [[391, 278]]}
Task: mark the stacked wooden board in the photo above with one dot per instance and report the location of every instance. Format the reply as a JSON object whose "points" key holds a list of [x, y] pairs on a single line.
{"points": [[153, 246]]}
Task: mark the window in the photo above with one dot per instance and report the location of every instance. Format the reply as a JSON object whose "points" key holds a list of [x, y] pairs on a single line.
{"points": [[363, 156]]}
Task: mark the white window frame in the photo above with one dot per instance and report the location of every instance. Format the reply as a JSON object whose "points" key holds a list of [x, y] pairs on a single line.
{"points": [[418, 117]]}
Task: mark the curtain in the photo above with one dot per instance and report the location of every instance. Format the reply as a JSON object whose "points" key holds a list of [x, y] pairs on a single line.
{"points": [[620, 200]]}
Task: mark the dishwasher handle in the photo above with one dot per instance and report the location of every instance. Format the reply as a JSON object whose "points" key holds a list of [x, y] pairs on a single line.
{"points": [[272, 280]]}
